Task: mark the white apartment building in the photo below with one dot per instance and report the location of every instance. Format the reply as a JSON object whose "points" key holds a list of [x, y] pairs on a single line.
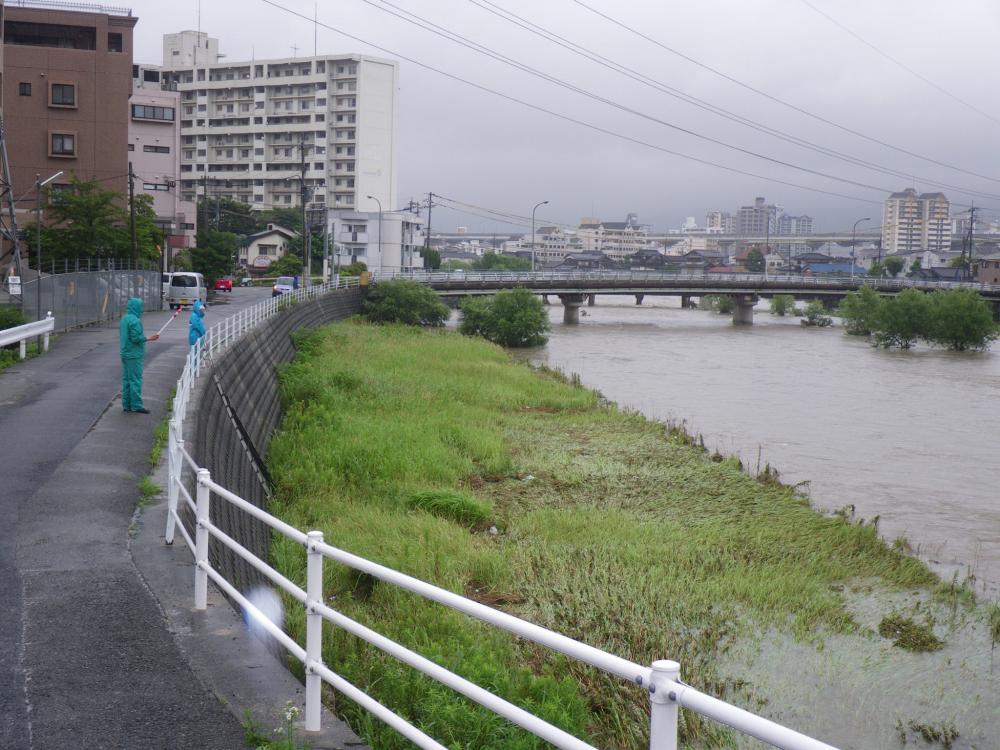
{"points": [[355, 237], [616, 239], [250, 131], [912, 222], [552, 244]]}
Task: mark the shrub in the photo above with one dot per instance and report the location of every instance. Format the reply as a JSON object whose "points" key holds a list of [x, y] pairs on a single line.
{"points": [[286, 265], [405, 301], [720, 303], [815, 315], [353, 269], [960, 319], [860, 311], [11, 316], [782, 304], [514, 317]]}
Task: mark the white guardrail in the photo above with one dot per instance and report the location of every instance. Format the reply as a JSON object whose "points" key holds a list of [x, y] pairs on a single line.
{"points": [[21, 334], [661, 679]]}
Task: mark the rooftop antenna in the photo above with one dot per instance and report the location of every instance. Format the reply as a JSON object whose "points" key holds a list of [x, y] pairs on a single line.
{"points": [[197, 42], [295, 51], [316, 30]]}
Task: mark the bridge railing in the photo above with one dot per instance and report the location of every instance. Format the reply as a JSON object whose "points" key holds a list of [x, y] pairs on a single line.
{"points": [[761, 280], [660, 680]]}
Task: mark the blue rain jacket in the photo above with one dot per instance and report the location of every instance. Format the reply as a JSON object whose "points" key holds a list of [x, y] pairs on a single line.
{"points": [[196, 324], [132, 337]]}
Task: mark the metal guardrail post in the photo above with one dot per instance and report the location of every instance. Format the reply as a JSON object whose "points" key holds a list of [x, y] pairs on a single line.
{"points": [[45, 337], [314, 630], [663, 708], [201, 541], [174, 459]]}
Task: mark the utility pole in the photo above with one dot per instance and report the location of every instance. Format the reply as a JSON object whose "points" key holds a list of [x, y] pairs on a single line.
{"points": [[427, 235], [204, 203], [306, 239], [131, 211], [972, 228]]}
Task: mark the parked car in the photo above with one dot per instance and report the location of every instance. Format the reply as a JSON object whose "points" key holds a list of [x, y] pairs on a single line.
{"points": [[283, 285], [224, 284], [165, 284], [185, 288], [246, 281]]}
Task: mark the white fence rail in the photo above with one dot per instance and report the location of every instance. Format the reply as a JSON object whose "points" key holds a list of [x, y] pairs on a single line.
{"points": [[21, 334], [661, 680]]}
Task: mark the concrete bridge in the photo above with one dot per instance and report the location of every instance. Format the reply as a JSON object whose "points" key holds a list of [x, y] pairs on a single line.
{"points": [[575, 288]]}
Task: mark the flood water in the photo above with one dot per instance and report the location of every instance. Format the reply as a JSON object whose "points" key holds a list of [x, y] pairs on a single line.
{"points": [[911, 437]]}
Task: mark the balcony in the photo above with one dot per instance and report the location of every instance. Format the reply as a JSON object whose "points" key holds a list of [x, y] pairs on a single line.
{"points": [[361, 237]]}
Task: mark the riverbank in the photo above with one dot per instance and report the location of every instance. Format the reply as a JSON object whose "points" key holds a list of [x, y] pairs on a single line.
{"points": [[432, 453]]}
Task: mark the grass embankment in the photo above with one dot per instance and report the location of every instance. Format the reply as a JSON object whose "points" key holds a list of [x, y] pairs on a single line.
{"points": [[406, 446]]}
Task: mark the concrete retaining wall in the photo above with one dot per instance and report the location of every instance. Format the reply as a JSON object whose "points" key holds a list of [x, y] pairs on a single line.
{"points": [[238, 409]]}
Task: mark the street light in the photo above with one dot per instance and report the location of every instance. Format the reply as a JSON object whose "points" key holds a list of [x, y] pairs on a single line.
{"points": [[39, 184], [542, 203], [373, 198], [854, 230]]}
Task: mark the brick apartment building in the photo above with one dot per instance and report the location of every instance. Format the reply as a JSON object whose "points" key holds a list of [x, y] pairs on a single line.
{"points": [[66, 80]]}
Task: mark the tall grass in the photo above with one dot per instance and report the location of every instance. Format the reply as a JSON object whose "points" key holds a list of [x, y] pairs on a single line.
{"points": [[406, 446]]}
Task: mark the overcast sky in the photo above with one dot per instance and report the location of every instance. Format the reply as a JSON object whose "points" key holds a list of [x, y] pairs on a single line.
{"points": [[474, 146]]}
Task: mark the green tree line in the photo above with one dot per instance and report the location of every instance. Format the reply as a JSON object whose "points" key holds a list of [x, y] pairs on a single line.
{"points": [[958, 319]]}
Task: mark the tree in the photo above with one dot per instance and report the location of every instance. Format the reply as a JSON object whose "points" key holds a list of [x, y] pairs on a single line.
{"points": [[432, 258], [353, 269], [781, 304], [893, 265], [215, 254], [287, 265], [755, 261], [289, 218], [903, 319], [877, 268], [960, 319], [455, 265], [720, 303], [497, 262], [815, 315], [915, 266], [405, 301], [513, 317], [860, 310], [227, 215], [84, 220]]}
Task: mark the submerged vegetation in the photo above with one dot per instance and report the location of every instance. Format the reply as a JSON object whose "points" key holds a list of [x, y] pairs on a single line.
{"points": [[909, 635], [431, 453]]}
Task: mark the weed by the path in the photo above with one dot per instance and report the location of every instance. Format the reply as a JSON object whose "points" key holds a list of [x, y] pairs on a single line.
{"points": [[161, 433], [283, 736], [148, 491]]}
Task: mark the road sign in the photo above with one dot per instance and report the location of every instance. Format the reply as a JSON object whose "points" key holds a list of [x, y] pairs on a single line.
{"points": [[14, 285]]}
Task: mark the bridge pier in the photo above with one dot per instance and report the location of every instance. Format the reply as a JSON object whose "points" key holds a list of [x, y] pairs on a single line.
{"points": [[743, 309], [591, 300], [639, 298], [545, 299], [571, 308], [686, 302]]}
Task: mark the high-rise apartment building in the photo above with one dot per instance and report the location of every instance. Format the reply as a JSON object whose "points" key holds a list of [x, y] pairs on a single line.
{"points": [[720, 222], [261, 130], [67, 77], [756, 220], [916, 223], [794, 225]]}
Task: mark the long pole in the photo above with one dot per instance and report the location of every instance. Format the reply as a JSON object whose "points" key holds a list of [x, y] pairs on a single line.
{"points": [[373, 198], [204, 203], [540, 203], [131, 211], [430, 205], [306, 244]]}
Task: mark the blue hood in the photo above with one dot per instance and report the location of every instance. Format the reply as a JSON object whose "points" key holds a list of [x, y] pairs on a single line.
{"points": [[134, 307]]}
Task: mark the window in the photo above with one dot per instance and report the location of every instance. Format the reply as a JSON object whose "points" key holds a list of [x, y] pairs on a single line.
{"points": [[50, 35], [62, 144], [114, 41], [24, 89], [147, 112], [155, 149], [154, 186], [151, 76], [62, 95]]}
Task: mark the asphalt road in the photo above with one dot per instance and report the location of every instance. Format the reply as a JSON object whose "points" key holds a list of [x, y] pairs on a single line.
{"points": [[86, 659]]}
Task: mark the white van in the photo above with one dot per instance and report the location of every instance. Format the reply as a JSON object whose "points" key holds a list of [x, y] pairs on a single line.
{"points": [[185, 288], [165, 284]]}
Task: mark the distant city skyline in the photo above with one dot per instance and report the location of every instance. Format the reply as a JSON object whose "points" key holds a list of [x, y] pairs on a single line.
{"points": [[485, 150]]}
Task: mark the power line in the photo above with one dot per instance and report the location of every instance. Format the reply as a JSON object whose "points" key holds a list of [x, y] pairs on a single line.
{"points": [[483, 50], [775, 99], [662, 87], [898, 63], [567, 118]]}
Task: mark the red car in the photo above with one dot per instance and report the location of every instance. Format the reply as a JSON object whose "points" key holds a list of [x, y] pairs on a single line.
{"points": [[223, 285]]}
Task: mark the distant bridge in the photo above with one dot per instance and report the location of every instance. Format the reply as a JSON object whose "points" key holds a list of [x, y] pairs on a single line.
{"points": [[574, 288]]}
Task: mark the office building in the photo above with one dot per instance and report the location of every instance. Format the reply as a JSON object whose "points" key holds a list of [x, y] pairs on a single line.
{"points": [[264, 132], [916, 223], [67, 78], [756, 220]]}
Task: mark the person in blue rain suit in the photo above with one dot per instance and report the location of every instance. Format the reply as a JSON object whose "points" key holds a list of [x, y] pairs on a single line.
{"points": [[196, 325], [132, 346]]}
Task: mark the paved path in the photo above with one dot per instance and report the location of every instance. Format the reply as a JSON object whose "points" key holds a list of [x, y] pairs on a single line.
{"points": [[86, 657]]}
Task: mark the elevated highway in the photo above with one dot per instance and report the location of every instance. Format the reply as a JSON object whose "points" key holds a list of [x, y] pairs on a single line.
{"points": [[576, 287]]}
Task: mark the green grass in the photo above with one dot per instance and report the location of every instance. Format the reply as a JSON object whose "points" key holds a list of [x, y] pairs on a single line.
{"points": [[403, 445], [12, 356], [161, 434], [148, 491], [909, 634]]}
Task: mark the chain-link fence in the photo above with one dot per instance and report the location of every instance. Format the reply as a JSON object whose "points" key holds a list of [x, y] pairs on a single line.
{"points": [[78, 296]]}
